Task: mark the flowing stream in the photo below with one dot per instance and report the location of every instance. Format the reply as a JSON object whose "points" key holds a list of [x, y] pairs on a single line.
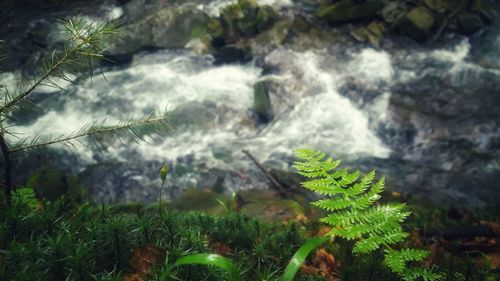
{"points": [[346, 102]]}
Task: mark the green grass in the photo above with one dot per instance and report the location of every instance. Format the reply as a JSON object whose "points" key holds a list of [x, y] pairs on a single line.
{"points": [[67, 241]]}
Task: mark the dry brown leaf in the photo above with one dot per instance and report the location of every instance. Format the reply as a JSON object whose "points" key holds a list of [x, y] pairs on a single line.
{"points": [[133, 277], [301, 218], [494, 260], [436, 251], [221, 248], [415, 238], [325, 264], [495, 227], [144, 258], [323, 231], [309, 270]]}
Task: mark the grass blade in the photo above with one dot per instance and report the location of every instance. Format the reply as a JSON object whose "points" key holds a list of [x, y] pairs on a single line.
{"points": [[300, 256], [211, 259]]}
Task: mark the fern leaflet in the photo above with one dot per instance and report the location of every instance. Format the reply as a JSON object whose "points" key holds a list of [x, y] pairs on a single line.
{"points": [[351, 199]]}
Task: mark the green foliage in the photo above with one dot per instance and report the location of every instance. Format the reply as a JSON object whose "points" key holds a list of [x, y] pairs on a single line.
{"points": [[211, 260], [65, 241], [300, 256], [351, 199], [26, 195]]}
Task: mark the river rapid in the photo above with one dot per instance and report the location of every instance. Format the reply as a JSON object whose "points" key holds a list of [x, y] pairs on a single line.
{"points": [[426, 116]]}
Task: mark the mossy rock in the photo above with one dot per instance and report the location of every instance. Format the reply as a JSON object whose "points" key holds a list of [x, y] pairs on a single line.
{"points": [[469, 23], [439, 6], [166, 28], [51, 184], [276, 35], [483, 8], [273, 210], [174, 28], [201, 200], [348, 10], [265, 18], [239, 19], [266, 205], [215, 28], [373, 33], [418, 23], [262, 102], [244, 19]]}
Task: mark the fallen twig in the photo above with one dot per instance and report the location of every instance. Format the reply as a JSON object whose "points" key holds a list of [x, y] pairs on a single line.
{"points": [[446, 20], [278, 186]]}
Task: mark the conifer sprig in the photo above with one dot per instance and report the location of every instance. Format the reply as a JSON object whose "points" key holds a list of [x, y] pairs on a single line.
{"points": [[85, 45], [351, 199]]}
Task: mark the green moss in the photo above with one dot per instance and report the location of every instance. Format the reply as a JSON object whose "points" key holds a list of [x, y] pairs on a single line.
{"points": [[348, 10], [418, 23], [48, 183], [96, 240]]}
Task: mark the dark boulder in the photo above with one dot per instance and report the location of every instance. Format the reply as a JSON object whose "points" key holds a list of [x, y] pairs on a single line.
{"points": [[262, 102], [232, 54], [469, 23]]}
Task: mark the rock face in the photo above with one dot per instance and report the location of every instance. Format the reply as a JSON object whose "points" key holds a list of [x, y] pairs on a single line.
{"points": [[348, 10]]}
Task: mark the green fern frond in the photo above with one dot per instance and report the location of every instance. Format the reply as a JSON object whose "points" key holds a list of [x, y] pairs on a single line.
{"points": [[398, 261], [351, 198]]}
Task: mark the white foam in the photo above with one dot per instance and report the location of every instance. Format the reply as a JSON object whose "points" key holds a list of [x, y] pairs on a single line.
{"points": [[371, 66]]}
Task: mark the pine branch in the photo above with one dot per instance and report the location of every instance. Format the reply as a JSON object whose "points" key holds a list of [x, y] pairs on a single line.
{"points": [[137, 129], [86, 43]]}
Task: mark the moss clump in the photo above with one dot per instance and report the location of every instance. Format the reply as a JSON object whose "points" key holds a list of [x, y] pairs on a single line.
{"points": [[65, 241]]}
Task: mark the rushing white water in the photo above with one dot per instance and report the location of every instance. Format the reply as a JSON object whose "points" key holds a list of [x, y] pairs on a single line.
{"points": [[213, 109], [214, 7]]}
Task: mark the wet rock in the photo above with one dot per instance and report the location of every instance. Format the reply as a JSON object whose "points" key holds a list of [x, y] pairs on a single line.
{"points": [[373, 33], [194, 116], [167, 28], [233, 54], [439, 6], [262, 102], [274, 36], [394, 11], [243, 20], [484, 10], [347, 10], [417, 23], [215, 29], [469, 23], [266, 16]]}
